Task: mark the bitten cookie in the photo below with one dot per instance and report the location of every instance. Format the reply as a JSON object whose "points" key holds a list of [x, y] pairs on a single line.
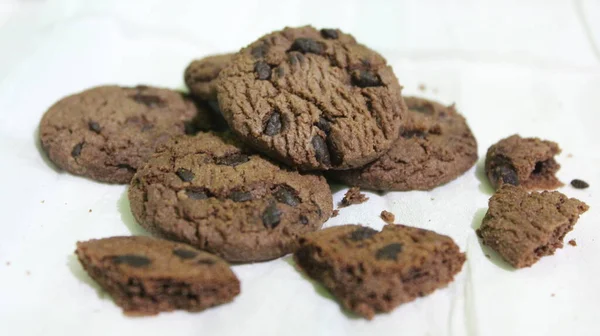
{"points": [[524, 227], [435, 147], [106, 133], [371, 271], [212, 192], [312, 99], [201, 75], [146, 276], [526, 162]]}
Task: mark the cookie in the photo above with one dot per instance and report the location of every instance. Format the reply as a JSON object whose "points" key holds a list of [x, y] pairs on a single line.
{"points": [[212, 192], [315, 100], [201, 75], [145, 276], [435, 147], [524, 227], [106, 133], [370, 271], [526, 162]]}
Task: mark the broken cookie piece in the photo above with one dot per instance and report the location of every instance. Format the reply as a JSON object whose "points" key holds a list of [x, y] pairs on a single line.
{"points": [[524, 227], [526, 162], [387, 217], [353, 196]]}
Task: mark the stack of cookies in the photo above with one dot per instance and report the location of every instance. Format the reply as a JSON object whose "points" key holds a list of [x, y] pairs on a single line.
{"points": [[234, 172]]}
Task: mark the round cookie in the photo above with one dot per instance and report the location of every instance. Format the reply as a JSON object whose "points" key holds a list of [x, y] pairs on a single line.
{"points": [[434, 148], [106, 133], [213, 193], [315, 100], [201, 75]]}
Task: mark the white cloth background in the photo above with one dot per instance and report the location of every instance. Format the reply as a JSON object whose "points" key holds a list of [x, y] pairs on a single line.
{"points": [[528, 67]]}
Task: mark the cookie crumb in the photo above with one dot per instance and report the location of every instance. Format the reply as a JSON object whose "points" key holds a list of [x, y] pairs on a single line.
{"points": [[335, 213], [8, 263], [42, 201], [27, 273], [553, 295], [569, 155], [433, 199], [388, 217], [90, 210], [422, 87], [572, 242], [353, 196], [579, 184]]}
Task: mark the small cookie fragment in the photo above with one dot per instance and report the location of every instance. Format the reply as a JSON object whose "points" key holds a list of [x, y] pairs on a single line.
{"points": [[353, 196], [572, 242], [370, 271], [388, 217], [526, 162], [146, 275], [201, 75], [579, 184], [524, 227], [335, 213]]}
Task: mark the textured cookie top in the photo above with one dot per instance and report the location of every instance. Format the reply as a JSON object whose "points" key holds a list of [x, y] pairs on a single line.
{"points": [[200, 76], [146, 258], [312, 99], [106, 133], [434, 147], [214, 193], [528, 162]]}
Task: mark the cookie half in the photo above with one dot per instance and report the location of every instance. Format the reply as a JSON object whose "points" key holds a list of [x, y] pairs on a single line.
{"points": [[146, 275], [106, 133], [201, 75], [435, 147], [214, 193], [315, 100]]}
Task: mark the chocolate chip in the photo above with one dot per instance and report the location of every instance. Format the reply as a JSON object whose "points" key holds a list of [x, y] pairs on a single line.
{"points": [[295, 58], [206, 262], [329, 33], [579, 184], [132, 260], [286, 195], [389, 252], [280, 71], [77, 150], [303, 219], [307, 45], [196, 193], [324, 125], [185, 175], [94, 127], [232, 160], [148, 100], [271, 216], [263, 70], [321, 150], [185, 254], [259, 51], [240, 196], [412, 134], [364, 78], [362, 233], [273, 124], [506, 174]]}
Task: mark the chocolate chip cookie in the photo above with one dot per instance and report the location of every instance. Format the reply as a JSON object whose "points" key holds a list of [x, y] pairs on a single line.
{"points": [[435, 147], [201, 75], [524, 227], [312, 99], [146, 275], [526, 162], [212, 192], [106, 133], [371, 271]]}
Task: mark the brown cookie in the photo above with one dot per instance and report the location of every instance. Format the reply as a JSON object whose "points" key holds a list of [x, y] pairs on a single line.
{"points": [[524, 227], [106, 133], [213, 193], [201, 75], [526, 162], [370, 271], [435, 147], [146, 275], [312, 99]]}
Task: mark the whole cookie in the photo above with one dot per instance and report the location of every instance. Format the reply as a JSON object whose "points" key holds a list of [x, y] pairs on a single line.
{"points": [[526, 162], [106, 133], [312, 99], [371, 271], [147, 275], [201, 75], [435, 147], [213, 193]]}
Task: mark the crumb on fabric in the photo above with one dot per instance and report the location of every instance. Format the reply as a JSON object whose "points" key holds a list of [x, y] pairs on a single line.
{"points": [[579, 184], [353, 196], [552, 294], [569, 155], [433, 199], [8, 263], [90, 210], [28, 273], [42, 201], [572, 242], [422, 87], [388, 217], [335, 213]]}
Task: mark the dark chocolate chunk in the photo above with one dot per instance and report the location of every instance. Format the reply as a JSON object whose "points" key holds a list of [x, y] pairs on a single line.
{"points": [[240, 196], [362, 233], [259, 51], [148, 100], [185, 175], [94, 127], [132, 260], [273, 126], [413, 133], [579, 184], [389, 252], [331, 34], [364, 78], [263, 70], [185, 254], [506, 174], [324, 125], [196, 193], [77, 150], [280, 71], [295, 58], [271, 216], [286, 195], [321, 150], [303, 219], [307, 45], [232, 160]]}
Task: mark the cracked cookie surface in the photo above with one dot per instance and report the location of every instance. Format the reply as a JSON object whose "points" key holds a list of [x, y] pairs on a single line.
{"points": [[435, 147], [201, 75], [214, 193], [315, 100], [106, 133]]}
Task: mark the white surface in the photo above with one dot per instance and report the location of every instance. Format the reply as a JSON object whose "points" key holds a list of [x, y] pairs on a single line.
{"points": [[528, 67]]}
